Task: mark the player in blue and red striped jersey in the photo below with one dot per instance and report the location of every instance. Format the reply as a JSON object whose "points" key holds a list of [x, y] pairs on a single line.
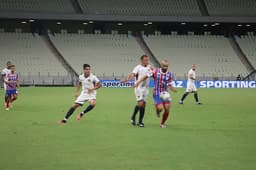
{"points": [[12, 82], [162, 81]]}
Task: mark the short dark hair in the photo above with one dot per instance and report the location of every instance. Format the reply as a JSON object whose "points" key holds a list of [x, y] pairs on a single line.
{"points": [[8, 62], [86, 65], [143, 56]]}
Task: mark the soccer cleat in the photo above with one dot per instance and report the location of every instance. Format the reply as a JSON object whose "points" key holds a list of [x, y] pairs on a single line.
{"points": [[62, 122], [79, 116], [180, 102], [7, 109], [140, 125], [198, 103], [133, 122], [162, 126]]}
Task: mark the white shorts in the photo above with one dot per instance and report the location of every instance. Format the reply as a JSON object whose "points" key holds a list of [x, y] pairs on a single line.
{"points": [[141, 94], [84, 97], [191, 87]]}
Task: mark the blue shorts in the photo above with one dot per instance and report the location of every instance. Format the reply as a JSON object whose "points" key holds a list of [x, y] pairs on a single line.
{"points": [[10, 92], [158, 100]]}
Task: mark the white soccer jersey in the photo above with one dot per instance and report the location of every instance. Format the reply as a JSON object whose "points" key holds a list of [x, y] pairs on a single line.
{"points": [[88, 82], [141, 71], [4, 72], [193, 74], [191, 87]]}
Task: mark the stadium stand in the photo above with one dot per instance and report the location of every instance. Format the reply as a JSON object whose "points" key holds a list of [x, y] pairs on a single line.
{"points": [[141, 7], [213, 54], [109, 55], [52, 6], [231, 7], [33, 60], [247, 43]]}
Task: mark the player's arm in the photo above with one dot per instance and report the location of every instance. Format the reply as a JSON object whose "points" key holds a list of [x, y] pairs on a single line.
{"points": [[173, 89], [129, 77], [79, 85], [139, 81], [191, 77], [6, 80], [2, 76], [151, 74], [18, 83], [97, 86]]}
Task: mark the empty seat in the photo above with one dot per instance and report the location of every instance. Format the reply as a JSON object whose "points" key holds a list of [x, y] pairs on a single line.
{"points": [[248, 45], [141, 7], [109, 55], [45, 6], [213, 54]]}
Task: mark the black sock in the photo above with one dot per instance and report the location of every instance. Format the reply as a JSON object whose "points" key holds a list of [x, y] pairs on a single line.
{"points": [[136, 109], [142, 112], [90, 107], [196, 97], [69, 113], [184, 96]]}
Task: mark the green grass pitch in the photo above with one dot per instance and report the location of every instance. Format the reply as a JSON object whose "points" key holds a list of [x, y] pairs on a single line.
{"points": [[218, 135]]}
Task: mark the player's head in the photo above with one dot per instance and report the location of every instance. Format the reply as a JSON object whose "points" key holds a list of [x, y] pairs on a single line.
{"points": [[8, 64], [193, 67], [164, 65], [144, 60], [87, 69], [12, 68]]}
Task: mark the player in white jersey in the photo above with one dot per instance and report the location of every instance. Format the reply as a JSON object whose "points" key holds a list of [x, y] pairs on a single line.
{"points": [[191, 85], [4, 72], [89, 83], [141, 92]]}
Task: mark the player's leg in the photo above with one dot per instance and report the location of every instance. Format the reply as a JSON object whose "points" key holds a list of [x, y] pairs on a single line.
{"points": [[141, 105], [70, 112], [138, 95], [14, 97], [166, 113], [78, 102], [5, 96], [8, 99], [194, 90], [183, 97], [158, 105], [159, 109], [188, 90], [196, 97], [92, 104]]}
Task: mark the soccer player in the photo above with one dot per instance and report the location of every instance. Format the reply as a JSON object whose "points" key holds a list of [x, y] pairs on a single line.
{"points": [[162, 80], [191, 86], [141, 91], [5, 71], [89, 83], [12, 82]]}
